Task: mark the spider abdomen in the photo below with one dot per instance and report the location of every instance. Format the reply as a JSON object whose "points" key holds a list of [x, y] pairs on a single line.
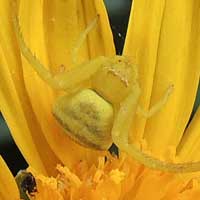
{"points": [[87, 118]]}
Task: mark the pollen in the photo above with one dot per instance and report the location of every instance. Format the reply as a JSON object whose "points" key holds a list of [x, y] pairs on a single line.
{"points": [[87, 118], [117, 176]]}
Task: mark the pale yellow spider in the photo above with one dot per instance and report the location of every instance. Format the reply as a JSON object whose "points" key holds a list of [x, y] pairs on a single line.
{"points": [[102, 113]]}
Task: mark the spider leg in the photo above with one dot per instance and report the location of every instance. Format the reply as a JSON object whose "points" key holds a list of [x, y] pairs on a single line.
{"points": [[65, 80], [72, 78], [31, 58], [157, 107], [123, 120], [81, 39], [120, 135]]}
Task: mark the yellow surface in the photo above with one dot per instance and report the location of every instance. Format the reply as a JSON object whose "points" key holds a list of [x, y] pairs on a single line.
{"points": [[8, 187], [87, 118], [164, 39]]}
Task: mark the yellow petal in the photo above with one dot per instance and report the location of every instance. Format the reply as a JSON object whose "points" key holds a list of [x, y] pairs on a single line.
{"points": [[176, 62], [14, 102], [190, 143], [141, 45], [8, 186], [60, 23]]}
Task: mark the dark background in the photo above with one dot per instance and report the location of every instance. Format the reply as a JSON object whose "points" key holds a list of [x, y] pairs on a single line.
{"points": [[118, 14]]}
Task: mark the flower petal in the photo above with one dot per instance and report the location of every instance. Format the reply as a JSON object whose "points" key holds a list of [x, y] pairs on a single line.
{"points": [[189, 147], [141, 45], [8, 186], [176, 61], [14, 101]]}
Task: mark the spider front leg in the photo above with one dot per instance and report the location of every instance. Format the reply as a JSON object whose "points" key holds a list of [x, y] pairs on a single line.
{"points": [[123, 120], [120, 135], [65, 80]]}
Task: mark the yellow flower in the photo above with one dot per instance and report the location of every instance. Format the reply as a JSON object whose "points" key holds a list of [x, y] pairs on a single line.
{"points": [[164, 39]]}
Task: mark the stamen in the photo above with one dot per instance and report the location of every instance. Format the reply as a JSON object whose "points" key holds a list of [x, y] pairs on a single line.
{"points": [[117, 176], [74, 180]]}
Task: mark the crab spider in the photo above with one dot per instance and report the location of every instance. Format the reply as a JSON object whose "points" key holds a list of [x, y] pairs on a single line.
{"points": [[101, 114]]}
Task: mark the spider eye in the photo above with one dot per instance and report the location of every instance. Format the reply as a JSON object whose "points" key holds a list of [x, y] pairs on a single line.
{"points": [[87, 118]]}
